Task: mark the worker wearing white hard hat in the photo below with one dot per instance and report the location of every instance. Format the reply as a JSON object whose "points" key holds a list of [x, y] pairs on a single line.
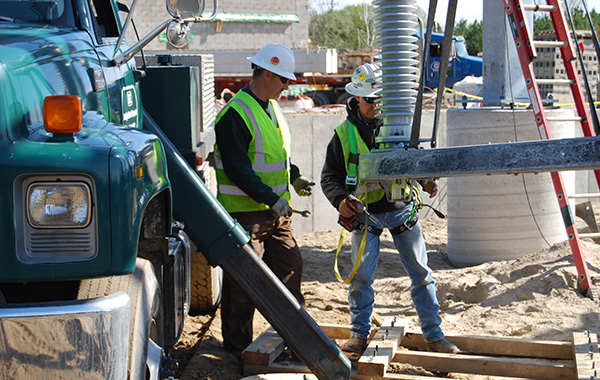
{"points": [[276, 58], [254, 173], [344, 189], [365, 81]]}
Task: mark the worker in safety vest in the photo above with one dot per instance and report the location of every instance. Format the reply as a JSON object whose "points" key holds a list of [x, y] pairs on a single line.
{"points": [[254, 171], [342, 186]]}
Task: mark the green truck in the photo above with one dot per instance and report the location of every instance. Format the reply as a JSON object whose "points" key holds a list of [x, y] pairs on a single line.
{"points": [[100, 210]]}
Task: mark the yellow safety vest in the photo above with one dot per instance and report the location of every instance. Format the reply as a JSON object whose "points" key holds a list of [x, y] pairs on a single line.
{"points": [[352, 146], [268, 152]]}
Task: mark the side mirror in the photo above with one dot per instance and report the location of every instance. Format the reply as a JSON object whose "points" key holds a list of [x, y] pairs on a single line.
{"points": [[185, 8], [179, 33]]}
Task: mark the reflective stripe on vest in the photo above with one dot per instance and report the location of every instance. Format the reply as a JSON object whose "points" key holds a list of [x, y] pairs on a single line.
{"points": [[264, 131], [375, 191]]}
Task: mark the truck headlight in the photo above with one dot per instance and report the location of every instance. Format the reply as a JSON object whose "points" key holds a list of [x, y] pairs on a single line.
{"points": [[58, 205]]}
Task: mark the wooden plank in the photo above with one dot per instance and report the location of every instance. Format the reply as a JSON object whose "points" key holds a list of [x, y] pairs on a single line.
{"points": [[485, 365], [254, 369], [265, 349], [499, 346], [337, 331], [585, 347], [382, 348]]}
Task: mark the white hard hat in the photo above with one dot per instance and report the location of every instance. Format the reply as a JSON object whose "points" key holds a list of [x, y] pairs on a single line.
{"points": [[276, 58], [364, 81]]}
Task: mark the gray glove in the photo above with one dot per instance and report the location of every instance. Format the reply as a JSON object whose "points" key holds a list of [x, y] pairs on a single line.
{"points": [[302, 185], [282, 208]]}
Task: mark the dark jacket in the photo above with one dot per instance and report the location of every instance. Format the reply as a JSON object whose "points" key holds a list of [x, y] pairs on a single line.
{"points": [[233, 139], [333, 175]]}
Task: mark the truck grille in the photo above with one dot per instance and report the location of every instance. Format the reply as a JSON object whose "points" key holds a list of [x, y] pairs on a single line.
{"points": [[50, 244]]}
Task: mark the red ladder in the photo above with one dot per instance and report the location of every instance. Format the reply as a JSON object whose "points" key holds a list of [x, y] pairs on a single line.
{"points": [[526, 49]]}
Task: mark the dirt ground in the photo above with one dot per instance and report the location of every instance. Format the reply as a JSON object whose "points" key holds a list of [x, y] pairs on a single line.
{"points": [[534, 297]]}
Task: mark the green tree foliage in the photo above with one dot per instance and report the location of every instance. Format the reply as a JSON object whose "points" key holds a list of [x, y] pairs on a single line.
{"points": [[473, 33], [580, 20], [347, 28]]}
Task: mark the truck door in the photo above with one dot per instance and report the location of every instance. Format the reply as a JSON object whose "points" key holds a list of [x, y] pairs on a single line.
{"points": [[435, 60], [123, 91]]}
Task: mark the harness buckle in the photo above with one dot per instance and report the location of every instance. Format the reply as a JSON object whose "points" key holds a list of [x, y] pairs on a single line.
{"points": [[351, 180]]}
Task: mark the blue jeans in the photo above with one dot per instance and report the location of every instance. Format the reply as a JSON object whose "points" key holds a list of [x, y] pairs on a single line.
{"points": [[413, 254]]}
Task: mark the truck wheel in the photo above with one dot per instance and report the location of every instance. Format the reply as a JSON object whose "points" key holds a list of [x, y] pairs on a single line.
{"points": [[343, 97], [144, 293], [319, 98], [206, 285]]}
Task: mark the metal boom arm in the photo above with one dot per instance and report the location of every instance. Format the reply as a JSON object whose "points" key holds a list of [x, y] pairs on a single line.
{"points": [[581, 153]]}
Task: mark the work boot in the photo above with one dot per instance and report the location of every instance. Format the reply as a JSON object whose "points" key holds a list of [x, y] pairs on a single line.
{"points": [[355, 345], [443, 346]]}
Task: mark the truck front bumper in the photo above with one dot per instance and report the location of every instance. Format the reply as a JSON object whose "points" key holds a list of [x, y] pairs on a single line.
{"points": [[83, 339]]}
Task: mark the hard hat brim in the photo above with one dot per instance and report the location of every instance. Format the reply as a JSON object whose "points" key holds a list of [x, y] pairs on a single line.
{"points": [[352, 89]]}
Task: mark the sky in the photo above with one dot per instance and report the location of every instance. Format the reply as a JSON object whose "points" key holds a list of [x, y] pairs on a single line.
{"points": [[468, 9]]}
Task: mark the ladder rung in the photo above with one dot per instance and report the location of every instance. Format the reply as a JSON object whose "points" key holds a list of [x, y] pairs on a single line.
{"points": [[538, 8], [555, 81], [590, 235], [550, 44], [589, 195], [573, 118]]}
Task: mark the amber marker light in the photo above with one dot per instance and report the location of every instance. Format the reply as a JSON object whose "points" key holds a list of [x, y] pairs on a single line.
{"points": [[62, 114]]}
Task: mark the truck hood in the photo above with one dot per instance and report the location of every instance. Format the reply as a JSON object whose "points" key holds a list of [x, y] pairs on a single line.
{"points": [[26, 44], [37, 61]]}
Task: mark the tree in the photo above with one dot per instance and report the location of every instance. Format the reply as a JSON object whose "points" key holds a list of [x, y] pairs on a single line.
{"points": [[347, 28], [473, 34], [578, 16]]}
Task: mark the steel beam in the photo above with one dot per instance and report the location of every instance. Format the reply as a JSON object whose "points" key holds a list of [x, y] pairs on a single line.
{"points": [[581, 153]]}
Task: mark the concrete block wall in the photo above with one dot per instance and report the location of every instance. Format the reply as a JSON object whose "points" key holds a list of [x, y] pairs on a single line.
{"points": [[231, 35]]}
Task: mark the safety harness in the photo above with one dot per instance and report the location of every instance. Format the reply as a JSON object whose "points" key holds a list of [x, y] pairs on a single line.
{"points": [[351, 182]]}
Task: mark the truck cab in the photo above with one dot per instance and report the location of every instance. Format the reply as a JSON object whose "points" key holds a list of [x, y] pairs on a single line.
{"points": [[91, 252], [461, 64]]}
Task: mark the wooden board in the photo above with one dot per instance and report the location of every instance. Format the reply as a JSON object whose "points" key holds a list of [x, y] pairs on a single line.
{"points": [[381, 349], [265, 349], [499, 346], [585, 345], [480, 355]]}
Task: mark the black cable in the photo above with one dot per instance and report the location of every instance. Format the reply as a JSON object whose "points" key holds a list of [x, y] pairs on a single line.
{"points": [[516, 139], [588, 90]]}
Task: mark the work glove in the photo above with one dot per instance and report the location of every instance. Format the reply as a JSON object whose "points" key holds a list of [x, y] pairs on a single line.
{"points": [[282, 208], [302, 185], [430, 186]]}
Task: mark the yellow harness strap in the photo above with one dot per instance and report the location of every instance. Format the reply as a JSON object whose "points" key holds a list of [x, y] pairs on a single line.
{"points": [[361, 249]]}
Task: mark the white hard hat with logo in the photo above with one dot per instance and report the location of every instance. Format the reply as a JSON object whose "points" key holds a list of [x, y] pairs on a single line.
{"points": [[276, 58], [364, 81]]}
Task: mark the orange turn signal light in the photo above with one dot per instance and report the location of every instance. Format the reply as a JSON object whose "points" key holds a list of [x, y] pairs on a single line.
{"points": [[62, 114]]}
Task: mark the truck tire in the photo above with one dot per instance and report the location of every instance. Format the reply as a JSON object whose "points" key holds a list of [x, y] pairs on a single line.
{"points": [[144, 293], [205, 285], [343, 97], [319, 98]]}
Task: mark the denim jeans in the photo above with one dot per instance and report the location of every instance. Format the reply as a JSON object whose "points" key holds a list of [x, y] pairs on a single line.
{"points": [[413, 254]]}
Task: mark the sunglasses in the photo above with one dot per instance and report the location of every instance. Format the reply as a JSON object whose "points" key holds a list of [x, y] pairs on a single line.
{"points": [[371, 100], [283, 80]]}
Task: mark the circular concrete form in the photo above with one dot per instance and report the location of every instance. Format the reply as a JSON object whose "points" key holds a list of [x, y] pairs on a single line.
{"points": [[504, 216]]}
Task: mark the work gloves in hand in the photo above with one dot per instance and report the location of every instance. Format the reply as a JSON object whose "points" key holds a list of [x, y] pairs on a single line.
{"points": [[430, 186], [302, 185], [282, 208]]}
